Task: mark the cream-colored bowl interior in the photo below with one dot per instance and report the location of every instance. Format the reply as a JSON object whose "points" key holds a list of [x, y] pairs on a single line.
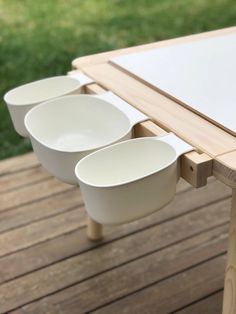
{"points": [[125, 162], [41, 90], [76, 123]]}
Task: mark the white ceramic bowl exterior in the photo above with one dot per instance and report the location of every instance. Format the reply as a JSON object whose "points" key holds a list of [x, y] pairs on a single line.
{"points": [[23, 98], [128, 180], [66, 129]]}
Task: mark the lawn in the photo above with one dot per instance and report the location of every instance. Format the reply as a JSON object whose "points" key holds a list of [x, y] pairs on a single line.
{"points": [[40, 38]]}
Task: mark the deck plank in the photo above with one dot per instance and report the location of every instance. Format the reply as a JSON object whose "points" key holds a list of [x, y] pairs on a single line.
{"points": [[40, 209], [136, 275], [56, 202], [22, 178], [65, 273], [18, 163], [40, 231], [31, 193], [47, 264], [176, 291], [183, 204], [210, 304]]}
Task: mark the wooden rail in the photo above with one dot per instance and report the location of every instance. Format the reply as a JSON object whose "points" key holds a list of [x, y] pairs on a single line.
{"points": [[195, 167]]}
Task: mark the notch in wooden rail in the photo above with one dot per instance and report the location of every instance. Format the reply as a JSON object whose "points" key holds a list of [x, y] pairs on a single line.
{"points": [[195, 167]]}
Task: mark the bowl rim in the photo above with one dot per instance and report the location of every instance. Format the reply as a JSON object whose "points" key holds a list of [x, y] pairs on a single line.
{"points": [[29, 103], [114, 185], [89, 149]]}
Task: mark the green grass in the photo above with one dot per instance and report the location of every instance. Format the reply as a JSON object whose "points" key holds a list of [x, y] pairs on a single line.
{"points": [[40, 38]]}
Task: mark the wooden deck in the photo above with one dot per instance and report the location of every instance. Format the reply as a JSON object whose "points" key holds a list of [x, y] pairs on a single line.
{"points": [[170, 262]]}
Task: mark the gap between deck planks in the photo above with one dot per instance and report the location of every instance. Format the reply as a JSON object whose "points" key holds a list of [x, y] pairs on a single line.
{"points": [[58, 254], [211, 305]]}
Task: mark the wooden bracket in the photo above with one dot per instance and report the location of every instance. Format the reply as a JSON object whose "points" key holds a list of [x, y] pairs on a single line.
{"points": [[195, 167]]}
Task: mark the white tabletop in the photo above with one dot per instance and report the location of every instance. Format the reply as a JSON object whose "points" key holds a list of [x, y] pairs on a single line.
{"points": [[200, 74]]}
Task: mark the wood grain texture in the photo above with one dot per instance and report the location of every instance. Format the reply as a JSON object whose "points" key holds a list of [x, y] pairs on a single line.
{"points": [[210, 304], [165, 296], [136, 275], [24, 177], [196, 168], [75, 269], [30, 193], [47, 261], [40, 231], [19, 163], [40, 209], [224, 168], [229, 303], [42, 254]]}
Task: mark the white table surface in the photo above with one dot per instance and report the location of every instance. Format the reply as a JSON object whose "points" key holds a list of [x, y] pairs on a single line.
{"points": [[200, 75]]}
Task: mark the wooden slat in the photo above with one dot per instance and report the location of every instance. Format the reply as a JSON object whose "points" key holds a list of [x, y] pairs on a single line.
{"points": [[133, 276], [40, 231], [25, 177], [40, 209], [165, 112], [30, 193], [177, 291], [148, 128], [43, 254], [18, 163], [70, 271], [209, 305]]}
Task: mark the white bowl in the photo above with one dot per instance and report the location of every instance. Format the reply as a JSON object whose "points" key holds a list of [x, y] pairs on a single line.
{"points": [[23, 98], [66, 129], [130, 180]]}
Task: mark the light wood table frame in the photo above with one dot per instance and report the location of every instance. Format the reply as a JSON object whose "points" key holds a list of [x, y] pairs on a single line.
{"points": [[215, 152]]}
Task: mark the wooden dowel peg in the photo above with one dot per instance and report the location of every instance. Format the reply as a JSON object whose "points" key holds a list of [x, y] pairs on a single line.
{"points": [[94, 230]]}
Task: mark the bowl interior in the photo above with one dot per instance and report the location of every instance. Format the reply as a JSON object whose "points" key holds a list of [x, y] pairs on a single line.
{"points": [[41, 90], [76, 123], [125, 162]]}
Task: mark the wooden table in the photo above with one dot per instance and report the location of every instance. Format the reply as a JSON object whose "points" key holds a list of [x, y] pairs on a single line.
{"points": [[215, 148]]}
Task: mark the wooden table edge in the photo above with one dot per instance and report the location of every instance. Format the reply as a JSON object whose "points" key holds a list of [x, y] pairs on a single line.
{"points": [[221, 168], [196, 167], [102, 57]]}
